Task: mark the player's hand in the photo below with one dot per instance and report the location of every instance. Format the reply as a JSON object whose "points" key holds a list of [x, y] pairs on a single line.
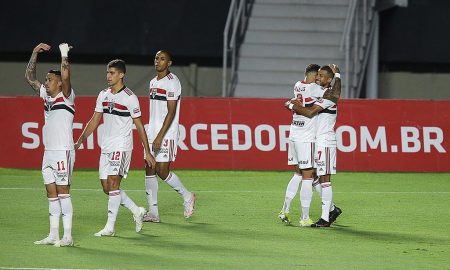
{"points": [[42, 47], [156, 145], [77, 145], [286, 104], [64, 48], [334, 68], [150, 160], [296, 102]]}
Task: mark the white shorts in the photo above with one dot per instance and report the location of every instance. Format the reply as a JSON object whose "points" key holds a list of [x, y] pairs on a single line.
{"points": [[114, 163], [301, 153], [57, 167], [325, 160], [167, 152]]}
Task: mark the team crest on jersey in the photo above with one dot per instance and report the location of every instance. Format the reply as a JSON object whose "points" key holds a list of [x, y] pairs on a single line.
{"points": [[153, 92], [110, 106], [48, 104]]}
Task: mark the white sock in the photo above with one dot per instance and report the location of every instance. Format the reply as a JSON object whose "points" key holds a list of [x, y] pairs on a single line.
{"points": [[67, 214], [317, 187], [173, 181], [151, 189], [306, 197], [54, 210], [291, 190], [327, 197], [113, 209], [128, 203]]}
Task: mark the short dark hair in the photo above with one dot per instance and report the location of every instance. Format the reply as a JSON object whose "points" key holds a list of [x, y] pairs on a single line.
{"points": [[328, 70], [167, 53], [118, 64], [312, 68], [54, 71]]}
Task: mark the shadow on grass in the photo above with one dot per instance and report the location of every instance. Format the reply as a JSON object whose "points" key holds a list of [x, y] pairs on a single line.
{"points": [[389, 236]]}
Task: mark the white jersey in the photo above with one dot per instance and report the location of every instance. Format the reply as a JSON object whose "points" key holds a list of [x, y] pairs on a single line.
{"points": [[118, 111], [326, 120], [160, 91], [58, 112], [303, 129]]}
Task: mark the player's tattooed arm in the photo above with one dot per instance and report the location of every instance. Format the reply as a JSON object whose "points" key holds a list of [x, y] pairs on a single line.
{"points": [[334, 93], [30, 73], [297, 107], [65, 76]]}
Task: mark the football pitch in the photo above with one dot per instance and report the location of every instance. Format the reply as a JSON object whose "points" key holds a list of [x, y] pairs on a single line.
{"points": [[389, 221]]}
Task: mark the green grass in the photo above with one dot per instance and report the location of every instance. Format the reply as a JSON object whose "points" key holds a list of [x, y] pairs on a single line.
{"points": [[390, 221]]}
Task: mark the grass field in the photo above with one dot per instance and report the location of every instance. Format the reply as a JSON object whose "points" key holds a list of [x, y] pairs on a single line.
{"points": [[390, 221]]}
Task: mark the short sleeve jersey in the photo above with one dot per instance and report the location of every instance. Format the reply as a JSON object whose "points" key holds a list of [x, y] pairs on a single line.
{"points": [[303, 129], [326, 121], [58, 113], [118, 112], [160, 91]]}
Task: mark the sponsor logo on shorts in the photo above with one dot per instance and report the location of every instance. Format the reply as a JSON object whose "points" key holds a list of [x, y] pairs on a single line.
{"points": [[114, 163], [290, 159], [304, 162]]}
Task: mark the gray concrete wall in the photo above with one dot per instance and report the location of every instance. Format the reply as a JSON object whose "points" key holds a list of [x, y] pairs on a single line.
{"points": [[89, 79], [407, 85]]}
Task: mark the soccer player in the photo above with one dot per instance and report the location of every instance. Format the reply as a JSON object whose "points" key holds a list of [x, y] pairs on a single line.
{"points": [[164, 94], [326, 111], [301, 147], [120, 108], [59, 154]]}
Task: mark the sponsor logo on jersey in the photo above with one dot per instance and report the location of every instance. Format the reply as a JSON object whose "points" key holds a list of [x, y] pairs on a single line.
{"points": [[136, 110], [298, 123], [171, 94]]}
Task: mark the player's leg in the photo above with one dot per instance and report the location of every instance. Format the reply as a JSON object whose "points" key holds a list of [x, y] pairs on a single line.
{"points": [[306, 160], [151, 190], [113, 187], [63, 183], [54, 208], [291, 191], [293, 185], [164, 157], [326, 166]]}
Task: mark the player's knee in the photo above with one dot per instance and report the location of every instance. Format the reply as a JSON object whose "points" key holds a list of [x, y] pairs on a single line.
{"points": [[162, 173]]}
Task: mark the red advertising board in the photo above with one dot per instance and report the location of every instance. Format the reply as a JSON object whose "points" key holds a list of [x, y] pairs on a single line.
{"points": [[251, 134]]}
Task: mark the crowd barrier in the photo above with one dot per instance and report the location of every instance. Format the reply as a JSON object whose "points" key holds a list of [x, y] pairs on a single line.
{"points": [[251, 134]]}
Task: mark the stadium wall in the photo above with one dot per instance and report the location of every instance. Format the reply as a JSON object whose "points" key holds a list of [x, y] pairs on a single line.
{"points": [[251, 134]]}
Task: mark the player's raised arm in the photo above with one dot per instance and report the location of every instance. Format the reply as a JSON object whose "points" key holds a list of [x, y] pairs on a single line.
{"points": [[334, 93], [65, 69], [30, 72]]}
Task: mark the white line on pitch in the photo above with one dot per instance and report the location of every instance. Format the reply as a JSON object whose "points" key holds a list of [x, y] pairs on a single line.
{"points": [[33, 268], [243, 191]]}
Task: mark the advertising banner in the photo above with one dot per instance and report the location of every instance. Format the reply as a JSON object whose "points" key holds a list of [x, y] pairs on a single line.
{"points": [[252, 134]]}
